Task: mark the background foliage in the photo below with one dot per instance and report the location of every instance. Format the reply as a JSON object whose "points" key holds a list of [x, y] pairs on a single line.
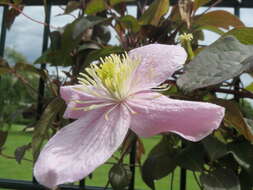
{"points": [[223, 160]]}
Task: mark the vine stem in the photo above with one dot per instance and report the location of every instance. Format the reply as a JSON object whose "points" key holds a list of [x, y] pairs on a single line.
{"points": [[11, 157], [197, 180], [28, 17], [242, 93]]}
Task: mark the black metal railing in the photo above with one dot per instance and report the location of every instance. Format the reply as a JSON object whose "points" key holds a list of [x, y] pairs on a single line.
{"points": [[33, 185]]}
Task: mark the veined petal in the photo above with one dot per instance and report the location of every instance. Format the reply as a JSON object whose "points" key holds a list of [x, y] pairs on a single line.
{"points": [[79, 148], [158, 62], [156, 113], [78, 101]]}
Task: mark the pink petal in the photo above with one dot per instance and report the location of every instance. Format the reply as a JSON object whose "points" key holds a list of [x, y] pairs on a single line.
{"points": [[157, 113], [158, 62], [72, 94], [79, 148]]}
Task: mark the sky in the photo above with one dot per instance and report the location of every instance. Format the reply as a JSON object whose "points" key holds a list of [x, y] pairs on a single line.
{"points": [[26, 35]]}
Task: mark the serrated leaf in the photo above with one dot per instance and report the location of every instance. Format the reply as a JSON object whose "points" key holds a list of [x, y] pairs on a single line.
{"points": [[224, 59], [192, 157], [42, 126], [154, 13], [159, 163], [243, 34], [234, 117], [214, 148], [20, 152], [119, 176], [213, 18], [220, 179]]}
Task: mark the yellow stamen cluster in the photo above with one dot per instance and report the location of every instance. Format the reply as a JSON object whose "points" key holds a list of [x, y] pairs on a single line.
{"points": [[185, 37], [113, 75]]}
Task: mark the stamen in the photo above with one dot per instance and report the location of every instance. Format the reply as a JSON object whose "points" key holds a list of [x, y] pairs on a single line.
{"points": [[109, 111], [129, 108], [92, 107]]}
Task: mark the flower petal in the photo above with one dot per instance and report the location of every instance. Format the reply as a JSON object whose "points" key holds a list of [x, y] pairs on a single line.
{"points": [[158, 62], [76, 98], [79, 148], [156, 113]]}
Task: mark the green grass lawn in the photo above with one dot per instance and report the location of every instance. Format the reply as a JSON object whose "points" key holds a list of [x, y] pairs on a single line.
{"points": [[9, 168]]}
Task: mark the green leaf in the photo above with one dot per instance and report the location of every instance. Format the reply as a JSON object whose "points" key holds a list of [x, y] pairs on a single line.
{"points": [[224, 59], [5, 1], [95, 55], [212, 29], [130, 22], [43, 125], [159, 163], [154, 13], [4, 66], [88, 45], [114, 2], [249, 87], [243, 154], [62, 46], [233, 117], [101, 34], [119, 176], [199, 3], [20, 152], [213, 18], [25, 67], [71, 6], [95, 6], [243, 34], [192, 157], [245, 180], [220, 179], [214, 148]]}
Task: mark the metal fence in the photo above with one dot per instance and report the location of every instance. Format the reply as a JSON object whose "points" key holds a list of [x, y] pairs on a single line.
{"points": [[33, 185]]}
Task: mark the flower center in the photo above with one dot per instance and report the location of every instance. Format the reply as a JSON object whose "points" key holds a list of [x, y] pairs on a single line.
{"points": [[113, 75]]}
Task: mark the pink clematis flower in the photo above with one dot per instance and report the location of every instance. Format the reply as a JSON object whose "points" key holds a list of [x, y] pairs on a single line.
{"points": [[113, 97]]}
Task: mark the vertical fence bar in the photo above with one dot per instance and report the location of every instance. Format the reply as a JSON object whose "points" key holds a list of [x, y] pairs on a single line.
{"points": [[183, 174], [237, 81], [132, 165], [43, 66], [3, 30], [82, 184]]}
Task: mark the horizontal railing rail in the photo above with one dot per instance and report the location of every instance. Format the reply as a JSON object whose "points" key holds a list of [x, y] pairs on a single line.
{"points": [[224, 3], [29, 185]]}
